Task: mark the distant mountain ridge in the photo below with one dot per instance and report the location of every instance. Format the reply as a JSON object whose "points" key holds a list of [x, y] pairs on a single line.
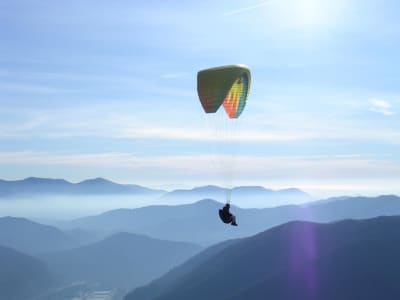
{"points": [[245, 196], [345, 260], [40, 186]]}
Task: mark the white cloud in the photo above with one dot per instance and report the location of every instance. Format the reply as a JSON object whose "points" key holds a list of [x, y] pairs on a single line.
{"points": [[247, 8], [381, 106], [120, 119], [115, 122], [342, 167], [214, 134]]}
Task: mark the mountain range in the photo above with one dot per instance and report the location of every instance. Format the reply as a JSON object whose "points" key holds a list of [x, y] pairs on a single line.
{"points": [[33, 238], [22, 276], [246, 196], [36, 258], [110, 250], [124, 249], [123, 260], [199, 222], [48, 186], [298, 260]]}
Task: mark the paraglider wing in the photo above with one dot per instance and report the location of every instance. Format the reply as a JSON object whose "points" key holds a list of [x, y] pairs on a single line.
{"points": [[227, 85], [236, 98]]}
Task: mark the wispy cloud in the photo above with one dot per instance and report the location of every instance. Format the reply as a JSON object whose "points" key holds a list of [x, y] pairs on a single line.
{"points": [[213, 166], [381, 106], [270, 134], [120, 121], [214, 135], [247, 8], [29, 88]]}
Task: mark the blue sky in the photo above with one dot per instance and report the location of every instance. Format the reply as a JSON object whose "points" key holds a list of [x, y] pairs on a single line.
{"points": [[108, 88]]}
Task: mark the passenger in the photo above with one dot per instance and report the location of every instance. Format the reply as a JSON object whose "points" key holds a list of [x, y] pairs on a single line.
{"points": [[226, 216]]}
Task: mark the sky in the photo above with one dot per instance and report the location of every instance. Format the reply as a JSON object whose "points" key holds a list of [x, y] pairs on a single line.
{"points": [[108, 89]]}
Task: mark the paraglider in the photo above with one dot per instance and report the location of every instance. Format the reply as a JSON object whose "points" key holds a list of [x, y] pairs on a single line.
{"points": [[226, 86]]}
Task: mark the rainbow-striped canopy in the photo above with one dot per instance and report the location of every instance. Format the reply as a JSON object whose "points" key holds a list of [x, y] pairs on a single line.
{"points": [[227, 86]]}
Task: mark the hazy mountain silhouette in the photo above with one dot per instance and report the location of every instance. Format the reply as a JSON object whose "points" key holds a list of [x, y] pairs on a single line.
{"points": [[178, 222], [31, 237], [298, 260], [103, 186], [82, 237], [21, 276], [250, 196], [181, 221], [46, 186], [123, 260]]}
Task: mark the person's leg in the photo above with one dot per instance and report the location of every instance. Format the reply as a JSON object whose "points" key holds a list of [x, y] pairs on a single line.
{"points": [[233, 221]]}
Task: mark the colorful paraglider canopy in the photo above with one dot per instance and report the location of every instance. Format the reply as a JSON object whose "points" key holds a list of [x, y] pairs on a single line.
{"points": [[226, 85]]}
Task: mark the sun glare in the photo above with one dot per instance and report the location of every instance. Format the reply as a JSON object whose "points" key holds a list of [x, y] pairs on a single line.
{"points": [[310, 12], [309, 15]]}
